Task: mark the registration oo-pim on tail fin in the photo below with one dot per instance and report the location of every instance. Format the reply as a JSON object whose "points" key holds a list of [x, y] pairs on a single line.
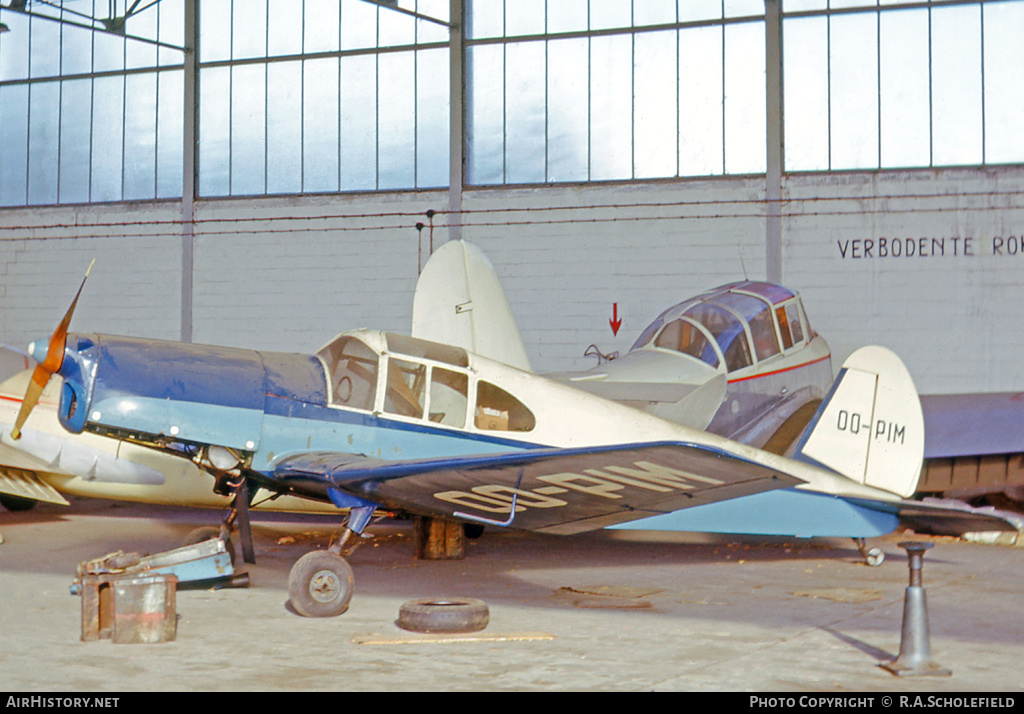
{"points": [[870, 427]]}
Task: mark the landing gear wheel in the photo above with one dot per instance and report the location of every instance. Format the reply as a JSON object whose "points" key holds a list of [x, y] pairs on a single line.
{"points": [[205, 533], [444, 615], [320, 584], [15, 504]]}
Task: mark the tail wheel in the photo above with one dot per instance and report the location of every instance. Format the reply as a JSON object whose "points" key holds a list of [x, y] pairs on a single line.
{"points": [[874, 557], [320, 584]]}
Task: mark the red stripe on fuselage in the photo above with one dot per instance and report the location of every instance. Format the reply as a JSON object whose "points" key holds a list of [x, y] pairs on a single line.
{"points": [[779, 371]]}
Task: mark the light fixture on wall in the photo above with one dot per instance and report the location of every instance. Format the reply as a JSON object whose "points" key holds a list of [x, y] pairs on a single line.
{"points": [[4, 28]]}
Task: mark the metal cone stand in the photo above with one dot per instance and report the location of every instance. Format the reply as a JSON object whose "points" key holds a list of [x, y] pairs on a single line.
{"points": [[915, 658]]}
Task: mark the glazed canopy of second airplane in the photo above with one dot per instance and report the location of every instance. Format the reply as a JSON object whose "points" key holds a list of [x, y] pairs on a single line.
{"points": [[736, 325]]}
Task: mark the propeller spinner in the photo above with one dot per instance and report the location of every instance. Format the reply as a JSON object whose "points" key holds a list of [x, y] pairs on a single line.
{"points": [[49, 365]]}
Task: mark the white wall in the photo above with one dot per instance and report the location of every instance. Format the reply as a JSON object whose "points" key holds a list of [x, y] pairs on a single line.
{"points": [[289, 273], [135, 287], [952, 311]]}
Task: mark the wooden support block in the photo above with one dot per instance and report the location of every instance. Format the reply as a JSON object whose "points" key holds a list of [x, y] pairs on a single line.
{"points": [[438, 539]]}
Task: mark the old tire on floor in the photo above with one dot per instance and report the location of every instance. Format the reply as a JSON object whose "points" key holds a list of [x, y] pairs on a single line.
{"points": [[320, 584], [444, 615]]}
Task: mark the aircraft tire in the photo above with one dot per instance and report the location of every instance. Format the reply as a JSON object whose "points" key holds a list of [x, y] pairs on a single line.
{"points": [[444, 615], [205, 533], [320, 584], [15, 504]]}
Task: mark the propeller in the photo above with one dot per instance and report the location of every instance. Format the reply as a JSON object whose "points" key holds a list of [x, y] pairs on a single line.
{"points": [[49, 365]]}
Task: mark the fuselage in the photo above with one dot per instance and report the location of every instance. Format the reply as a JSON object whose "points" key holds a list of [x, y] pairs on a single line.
{"points": [[370, 394], [93, 466]]}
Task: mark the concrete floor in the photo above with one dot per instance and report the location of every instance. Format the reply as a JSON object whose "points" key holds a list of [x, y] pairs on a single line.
{"points": [[603, 611]]}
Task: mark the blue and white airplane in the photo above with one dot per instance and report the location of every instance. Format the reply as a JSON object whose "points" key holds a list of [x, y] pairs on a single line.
{"points": [[381, 422]]}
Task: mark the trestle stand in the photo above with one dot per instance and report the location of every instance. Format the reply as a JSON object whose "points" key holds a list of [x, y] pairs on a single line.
{"points": [[915, 658]]}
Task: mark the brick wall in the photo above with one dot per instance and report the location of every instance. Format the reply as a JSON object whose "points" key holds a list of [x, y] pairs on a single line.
{"points": [[289, 273]]}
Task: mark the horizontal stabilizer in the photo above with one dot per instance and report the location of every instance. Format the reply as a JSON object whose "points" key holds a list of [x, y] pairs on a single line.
{"points": [[946, 517], [552, 490], [973, 424]]}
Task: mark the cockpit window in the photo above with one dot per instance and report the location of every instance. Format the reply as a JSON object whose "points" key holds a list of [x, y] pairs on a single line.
{"points": [[648, 334], [449, 397], [683, 336], [405, 388], [727, 330], [424, 349], [759, 317], [651, 330], [787, 334], [790, 324], [497, 410], [793, 313], [409, 384], [352, 366]]}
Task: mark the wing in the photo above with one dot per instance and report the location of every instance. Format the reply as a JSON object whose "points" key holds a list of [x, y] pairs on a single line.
{"points": [[551, 490], [973, 443], [24, 483], [973, 424], [20, 471]]}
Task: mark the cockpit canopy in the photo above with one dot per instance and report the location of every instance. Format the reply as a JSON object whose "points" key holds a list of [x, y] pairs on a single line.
{"points": [[736, 325], [416, 379]]}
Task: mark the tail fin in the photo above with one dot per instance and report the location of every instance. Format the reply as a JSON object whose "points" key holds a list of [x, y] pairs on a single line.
{"points": [[870, 427], [459, 301]]}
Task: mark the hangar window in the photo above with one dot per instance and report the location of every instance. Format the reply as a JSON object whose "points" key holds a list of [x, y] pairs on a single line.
{"points": [[322, 96], [352, 366], [589, 91], [497, 410]]}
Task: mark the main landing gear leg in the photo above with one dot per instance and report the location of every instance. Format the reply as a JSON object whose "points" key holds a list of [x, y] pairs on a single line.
{"points": [[240, 506], [238, 515], [872, 556], [321, 583]]}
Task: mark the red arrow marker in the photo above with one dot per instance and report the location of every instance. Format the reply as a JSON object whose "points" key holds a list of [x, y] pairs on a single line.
{"points": [[615, 322]]}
